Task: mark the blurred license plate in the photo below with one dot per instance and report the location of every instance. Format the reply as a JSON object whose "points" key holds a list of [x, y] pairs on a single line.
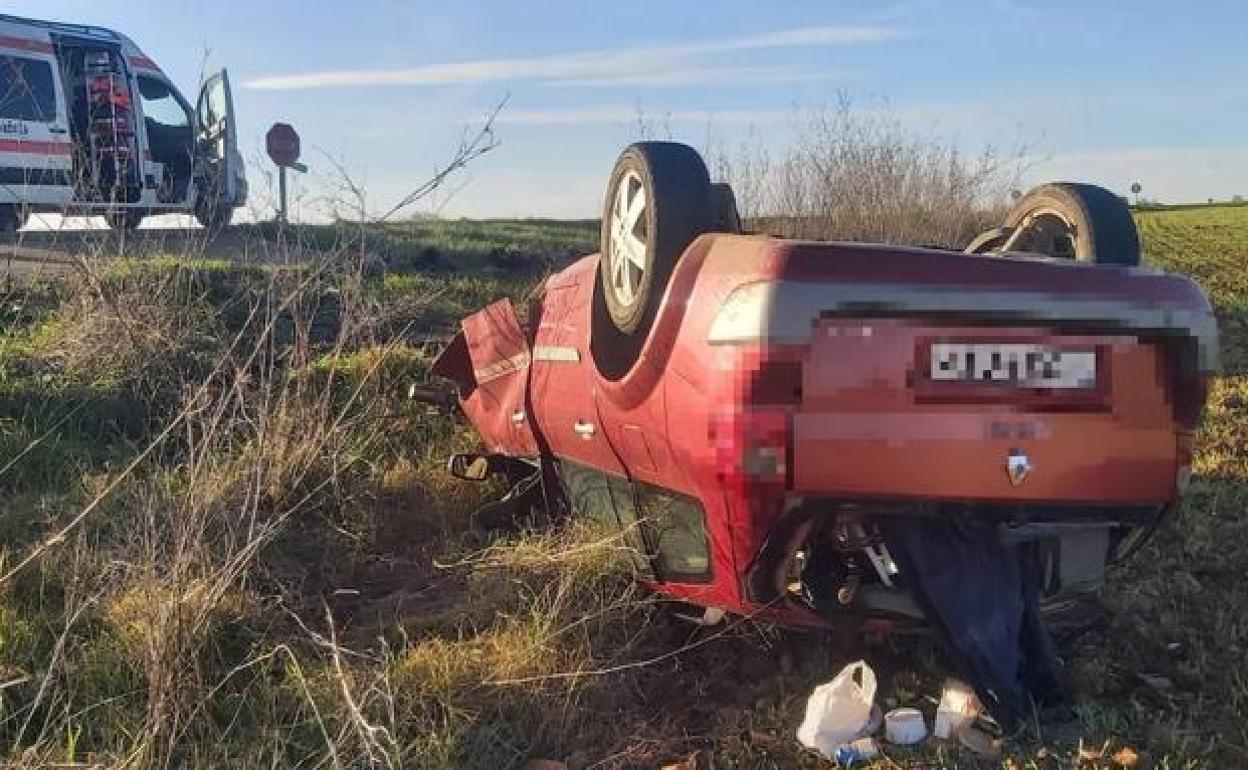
{"points": [[1013, 365]]}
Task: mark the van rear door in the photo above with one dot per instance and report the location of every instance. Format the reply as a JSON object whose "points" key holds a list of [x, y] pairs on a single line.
{"points": [[218, 161], [36, 152]]}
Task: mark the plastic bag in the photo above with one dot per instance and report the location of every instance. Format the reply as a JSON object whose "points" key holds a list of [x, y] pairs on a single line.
{"points": [[839, 710]]}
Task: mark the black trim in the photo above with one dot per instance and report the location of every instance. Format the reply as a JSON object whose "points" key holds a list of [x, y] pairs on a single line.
{"points": [[21, 177]]}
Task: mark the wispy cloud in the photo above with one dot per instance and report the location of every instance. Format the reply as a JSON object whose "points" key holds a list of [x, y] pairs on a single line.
{"points": [[623, 113], [604, 66], [707, 76]]}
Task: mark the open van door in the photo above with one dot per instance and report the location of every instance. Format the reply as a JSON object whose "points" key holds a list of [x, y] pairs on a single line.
{"points": [[218, 162]]}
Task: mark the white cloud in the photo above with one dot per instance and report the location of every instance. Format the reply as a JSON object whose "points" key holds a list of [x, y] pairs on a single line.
{"points": [[706, 76], [607, 64], [623, 113]]}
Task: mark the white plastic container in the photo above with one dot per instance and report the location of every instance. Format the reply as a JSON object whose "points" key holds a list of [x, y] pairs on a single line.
{"points": [[905, 726], [958, 708]]}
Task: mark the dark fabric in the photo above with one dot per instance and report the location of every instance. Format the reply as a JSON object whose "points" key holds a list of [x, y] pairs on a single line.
{"points": [[983, 598]]}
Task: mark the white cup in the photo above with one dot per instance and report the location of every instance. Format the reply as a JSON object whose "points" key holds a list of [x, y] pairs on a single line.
{"points": [[904, 726]]}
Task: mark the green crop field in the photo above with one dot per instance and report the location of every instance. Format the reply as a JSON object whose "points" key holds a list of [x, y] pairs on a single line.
{"points": [[228, 541]]}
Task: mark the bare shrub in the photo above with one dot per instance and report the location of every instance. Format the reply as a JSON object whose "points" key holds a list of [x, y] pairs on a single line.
{"points": [[861, 175]]}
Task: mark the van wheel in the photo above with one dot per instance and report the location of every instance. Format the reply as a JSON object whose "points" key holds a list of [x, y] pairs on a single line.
{"points": [[214, 218], [124, 220], [658, 201], [1067, 220]]}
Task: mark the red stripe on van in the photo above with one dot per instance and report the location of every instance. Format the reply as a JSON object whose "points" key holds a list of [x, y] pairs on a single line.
{"points": [[36, 148], [143, 63], [25, 44]]}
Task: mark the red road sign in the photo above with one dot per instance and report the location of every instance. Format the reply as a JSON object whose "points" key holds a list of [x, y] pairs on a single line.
{"points": [[282, 144]]}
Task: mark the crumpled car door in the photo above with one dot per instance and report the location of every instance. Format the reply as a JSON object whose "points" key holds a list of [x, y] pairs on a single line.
{"points": [[489, 362]]}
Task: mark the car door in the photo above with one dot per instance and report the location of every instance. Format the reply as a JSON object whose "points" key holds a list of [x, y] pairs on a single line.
{"points": [[493, 388], [219, 163], [36, 152]]}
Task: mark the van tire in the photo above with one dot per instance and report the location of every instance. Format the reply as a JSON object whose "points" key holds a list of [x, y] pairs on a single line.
{"points": [[214, 218], [1086, 223], [10, 220], [124, 220]]}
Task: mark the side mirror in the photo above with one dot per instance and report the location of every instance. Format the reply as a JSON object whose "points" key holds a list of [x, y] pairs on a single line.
{"points": [[468, 466]]}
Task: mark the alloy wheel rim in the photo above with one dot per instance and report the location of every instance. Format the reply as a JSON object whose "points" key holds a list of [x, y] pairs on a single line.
{"points": [[626, 259]]}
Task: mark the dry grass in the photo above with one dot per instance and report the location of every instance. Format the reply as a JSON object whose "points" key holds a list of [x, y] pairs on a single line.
{"points": [[859, 175]]}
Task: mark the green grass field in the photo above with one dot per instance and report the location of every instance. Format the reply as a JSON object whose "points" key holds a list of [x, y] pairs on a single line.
{"points": [[228, 541]]}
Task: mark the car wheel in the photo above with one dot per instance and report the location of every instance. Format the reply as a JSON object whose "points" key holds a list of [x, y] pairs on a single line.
{"points": [[724, 209], [124, 220], [658, 201], [1068, 220]]}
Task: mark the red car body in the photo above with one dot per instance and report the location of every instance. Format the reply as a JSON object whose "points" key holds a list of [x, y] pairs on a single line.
{"points": [[783, 382]]}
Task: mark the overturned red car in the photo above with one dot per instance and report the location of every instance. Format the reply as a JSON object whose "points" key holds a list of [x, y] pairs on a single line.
{"points": [[762, 418]]}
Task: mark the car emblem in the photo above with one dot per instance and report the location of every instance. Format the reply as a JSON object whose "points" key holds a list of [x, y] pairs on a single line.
{"points": [[1017, 466]]}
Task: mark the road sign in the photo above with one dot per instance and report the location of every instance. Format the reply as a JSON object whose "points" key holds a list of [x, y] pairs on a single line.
{"points": [[282, 144]]}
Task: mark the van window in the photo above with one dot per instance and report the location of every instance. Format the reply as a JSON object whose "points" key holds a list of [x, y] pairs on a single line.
{"points": [[160, 105], [27, 91]]}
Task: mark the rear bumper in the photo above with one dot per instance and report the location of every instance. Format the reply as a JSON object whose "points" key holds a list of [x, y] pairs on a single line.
{"points": [[783, 312]]}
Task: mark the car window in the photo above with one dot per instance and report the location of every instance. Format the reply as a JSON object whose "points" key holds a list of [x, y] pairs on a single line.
{"points": [[677, 529], [27, 90], [608, 502], [160, 105]]}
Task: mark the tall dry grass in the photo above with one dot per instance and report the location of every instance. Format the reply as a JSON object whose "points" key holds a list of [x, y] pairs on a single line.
{"points": [[271, 567], [860, 174]]}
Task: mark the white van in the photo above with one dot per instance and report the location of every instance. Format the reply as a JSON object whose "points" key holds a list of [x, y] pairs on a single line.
{"points": [[90, 125]]}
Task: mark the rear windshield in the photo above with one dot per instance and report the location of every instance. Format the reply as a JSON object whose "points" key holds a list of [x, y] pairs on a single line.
{"points": [[26, 90]]}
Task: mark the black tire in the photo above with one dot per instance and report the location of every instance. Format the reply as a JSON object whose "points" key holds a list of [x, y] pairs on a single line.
{"points": [[675, 209], [124, 220], [1077, 221], [724, 209], [214, 218], [10, 220]]}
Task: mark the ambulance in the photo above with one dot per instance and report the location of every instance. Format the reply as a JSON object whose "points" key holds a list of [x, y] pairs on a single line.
{"points": [[91, 126]]}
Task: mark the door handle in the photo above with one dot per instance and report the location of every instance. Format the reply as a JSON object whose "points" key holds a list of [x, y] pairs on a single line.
{"points": [[584, 429], [517, 416], [58, 130]]}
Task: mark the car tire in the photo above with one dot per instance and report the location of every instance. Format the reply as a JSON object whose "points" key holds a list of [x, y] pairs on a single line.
{"points": [[124, 220], [658, 201], [726, 218], [1071, 220]]}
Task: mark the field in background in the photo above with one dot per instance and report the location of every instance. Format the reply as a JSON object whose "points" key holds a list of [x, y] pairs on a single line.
{"points": [[289, 577]]}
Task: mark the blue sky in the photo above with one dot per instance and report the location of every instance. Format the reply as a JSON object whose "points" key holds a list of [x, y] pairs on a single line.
{"points": [[1098, 91]]}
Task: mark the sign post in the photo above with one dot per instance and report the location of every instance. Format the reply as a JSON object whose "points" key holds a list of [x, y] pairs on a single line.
{"points": [[282, 144]]}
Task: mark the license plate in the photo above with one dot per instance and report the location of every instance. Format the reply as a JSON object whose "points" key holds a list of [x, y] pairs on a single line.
{"points": [[1013, 365]]}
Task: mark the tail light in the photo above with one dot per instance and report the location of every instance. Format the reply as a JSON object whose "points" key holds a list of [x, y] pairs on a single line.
{"points": [[1191, 383]]}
